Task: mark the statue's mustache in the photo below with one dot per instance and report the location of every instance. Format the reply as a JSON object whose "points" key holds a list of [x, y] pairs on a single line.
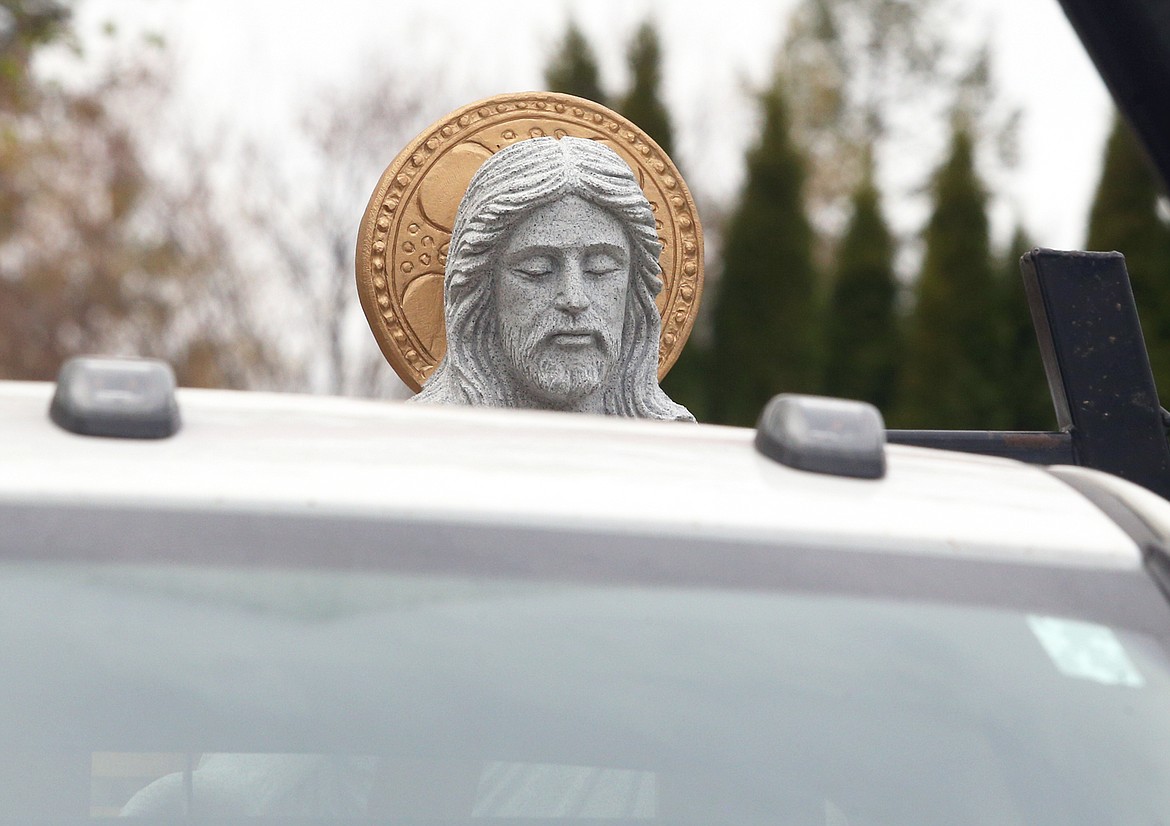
{"points": [[585, 324]]}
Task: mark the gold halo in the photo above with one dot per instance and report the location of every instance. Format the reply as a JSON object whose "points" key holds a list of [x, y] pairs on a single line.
{"points": [[402, 243]]}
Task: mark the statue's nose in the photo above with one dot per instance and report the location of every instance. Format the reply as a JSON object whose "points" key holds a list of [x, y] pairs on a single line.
{"points": [[572, 297]]}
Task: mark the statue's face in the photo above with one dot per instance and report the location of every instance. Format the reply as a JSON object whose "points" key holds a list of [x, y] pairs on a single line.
{"points": [[560, 286]]}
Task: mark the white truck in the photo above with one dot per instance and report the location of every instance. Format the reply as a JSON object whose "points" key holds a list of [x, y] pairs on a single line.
{"points": [[299, 609]]}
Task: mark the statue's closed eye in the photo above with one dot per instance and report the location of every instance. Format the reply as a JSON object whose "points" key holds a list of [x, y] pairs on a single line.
{"points": [[534, 266], [602, 264]]}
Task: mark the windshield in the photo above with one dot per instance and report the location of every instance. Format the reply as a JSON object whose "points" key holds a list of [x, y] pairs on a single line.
{"points": [[224, 692]]}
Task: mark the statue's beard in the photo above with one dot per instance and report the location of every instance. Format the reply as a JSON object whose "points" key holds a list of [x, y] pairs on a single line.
{"points": [[560, 373]]}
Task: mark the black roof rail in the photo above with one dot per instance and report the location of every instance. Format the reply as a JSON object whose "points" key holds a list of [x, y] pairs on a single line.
{"points": [[1098, 373]]}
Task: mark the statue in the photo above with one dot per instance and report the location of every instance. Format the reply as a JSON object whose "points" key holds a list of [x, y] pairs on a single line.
{"points": [[431, 247], [551, 275]]}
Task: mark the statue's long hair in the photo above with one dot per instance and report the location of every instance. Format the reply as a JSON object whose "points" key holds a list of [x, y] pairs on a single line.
{"points": [[509, 186]]}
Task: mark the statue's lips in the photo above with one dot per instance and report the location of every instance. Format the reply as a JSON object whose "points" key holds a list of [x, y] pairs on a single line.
{"points": [[573, 338]]}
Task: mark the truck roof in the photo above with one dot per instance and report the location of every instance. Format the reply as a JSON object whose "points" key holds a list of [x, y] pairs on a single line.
{"points": [[303, 455]]}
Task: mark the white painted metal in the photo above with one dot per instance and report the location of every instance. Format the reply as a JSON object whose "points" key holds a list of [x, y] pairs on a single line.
{"points": [[284, 453], [1149, 506]]}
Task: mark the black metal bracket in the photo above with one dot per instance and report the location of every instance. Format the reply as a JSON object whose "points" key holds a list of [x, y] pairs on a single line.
{"points": [[1129, 42], [1098, 373]]}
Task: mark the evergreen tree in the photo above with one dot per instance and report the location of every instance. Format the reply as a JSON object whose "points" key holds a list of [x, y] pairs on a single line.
{"points": [[1027, 404], [573, 69], [643, 103], [950, 363], [862, 347], [764, 322], [1124, 217], [686, 382], [856, 69]]}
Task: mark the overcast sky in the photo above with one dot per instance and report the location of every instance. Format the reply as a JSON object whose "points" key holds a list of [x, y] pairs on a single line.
{"points": [[254, 63]]}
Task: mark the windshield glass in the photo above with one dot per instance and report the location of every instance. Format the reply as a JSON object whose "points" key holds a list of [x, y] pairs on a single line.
{"points": [[223, 692]]}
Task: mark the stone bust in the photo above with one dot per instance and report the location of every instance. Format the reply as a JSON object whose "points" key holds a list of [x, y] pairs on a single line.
{"points": [[549, 289]]}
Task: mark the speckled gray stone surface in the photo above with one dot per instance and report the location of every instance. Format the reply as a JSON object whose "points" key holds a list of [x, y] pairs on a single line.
{"points": [[549, 290]]}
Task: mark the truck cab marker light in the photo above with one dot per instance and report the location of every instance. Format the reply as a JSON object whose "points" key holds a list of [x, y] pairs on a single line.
{"points": [[116, 397]]}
